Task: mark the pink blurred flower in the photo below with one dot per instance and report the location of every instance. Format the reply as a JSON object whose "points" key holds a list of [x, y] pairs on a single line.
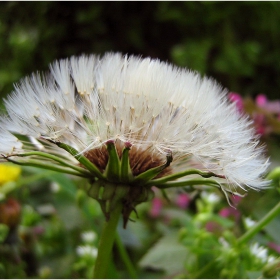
{"points": [[236, 97], [260, 123], [214, 227], [156, 207], [38, 230], [229, 212], [236, 199], [270, 106], [274, 246], [183, 200], [261, 100]]}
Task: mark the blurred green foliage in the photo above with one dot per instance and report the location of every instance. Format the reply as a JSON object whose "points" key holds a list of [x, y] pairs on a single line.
{"points": [[60, 225], [238, 43]]}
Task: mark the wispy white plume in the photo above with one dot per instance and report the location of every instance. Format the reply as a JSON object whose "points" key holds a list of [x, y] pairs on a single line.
{"points": [[85, 101]]}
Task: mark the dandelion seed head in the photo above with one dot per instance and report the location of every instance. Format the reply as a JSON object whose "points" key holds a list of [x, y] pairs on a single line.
{"points": [[156, 107]]}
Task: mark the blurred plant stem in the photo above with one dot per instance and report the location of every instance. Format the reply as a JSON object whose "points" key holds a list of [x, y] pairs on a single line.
{"points": [[125, 258], [106, 244], [274, 212]]}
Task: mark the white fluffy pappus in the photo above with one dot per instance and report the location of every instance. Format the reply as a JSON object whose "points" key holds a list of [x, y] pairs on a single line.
{"points": [[86, 101]]}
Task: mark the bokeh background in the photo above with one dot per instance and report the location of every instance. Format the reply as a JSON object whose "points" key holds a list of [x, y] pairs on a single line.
{"points": [[238, 43], [48, 225]]}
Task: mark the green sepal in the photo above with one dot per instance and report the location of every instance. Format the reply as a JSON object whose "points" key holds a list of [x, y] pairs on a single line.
{"points": [[109, 190], [121, 192], [148, 175], [125, 172], [146, 195], [94, 190], [112, 171], [104, 207], [82, 159]]}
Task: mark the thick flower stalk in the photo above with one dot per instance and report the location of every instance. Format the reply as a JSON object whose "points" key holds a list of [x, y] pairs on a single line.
{"points": [[128, 124]]}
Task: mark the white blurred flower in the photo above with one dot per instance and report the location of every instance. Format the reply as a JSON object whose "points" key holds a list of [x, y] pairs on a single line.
{"points": [[261, 253], [249, 222], [156, 107], [86, 250], [55, 187], [88, 236], [224, 243], [211, 198]]}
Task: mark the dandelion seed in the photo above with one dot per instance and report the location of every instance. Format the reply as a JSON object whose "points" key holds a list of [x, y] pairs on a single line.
{"points": [[131, 122]]}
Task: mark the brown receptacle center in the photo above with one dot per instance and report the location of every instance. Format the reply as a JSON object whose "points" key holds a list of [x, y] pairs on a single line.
{"points": [[140, 159]]}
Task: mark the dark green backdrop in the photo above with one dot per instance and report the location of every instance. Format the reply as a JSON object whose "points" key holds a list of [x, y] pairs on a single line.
{"points": [[238, 43]]}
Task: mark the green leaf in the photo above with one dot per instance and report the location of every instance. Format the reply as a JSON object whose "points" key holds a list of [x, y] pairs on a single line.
{"points": [[4, 230], [254, 274], [167, 254]]}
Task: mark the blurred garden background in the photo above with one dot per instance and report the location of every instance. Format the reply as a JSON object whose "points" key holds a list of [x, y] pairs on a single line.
{"points": [[49, 227]]}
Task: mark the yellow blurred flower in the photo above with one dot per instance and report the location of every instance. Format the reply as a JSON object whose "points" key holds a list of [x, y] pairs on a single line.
{"points": [[8, 173]]}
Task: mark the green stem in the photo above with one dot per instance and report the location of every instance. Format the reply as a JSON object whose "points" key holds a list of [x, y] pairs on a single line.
{"points": [[205, 269], [125, 258], [275, 211], [106, 244]]}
